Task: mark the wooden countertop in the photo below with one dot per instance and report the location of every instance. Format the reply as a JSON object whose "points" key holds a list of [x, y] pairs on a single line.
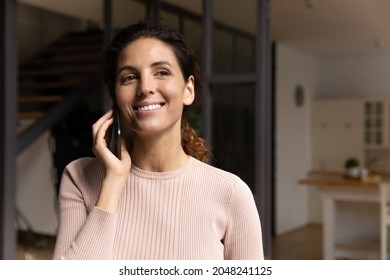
{"points": [[339, 179], [338, 182], [320, 173]]}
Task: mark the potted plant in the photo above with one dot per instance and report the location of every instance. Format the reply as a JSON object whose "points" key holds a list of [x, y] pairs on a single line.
{"points": [[352, 167]]}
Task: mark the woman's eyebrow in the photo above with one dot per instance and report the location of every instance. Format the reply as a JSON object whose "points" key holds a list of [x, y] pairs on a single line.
{"points": [[127, 68], [160, 62]]}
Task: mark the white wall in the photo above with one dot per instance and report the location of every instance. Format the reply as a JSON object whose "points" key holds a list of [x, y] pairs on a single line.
{"points": [[293, 136], [35, 190]]}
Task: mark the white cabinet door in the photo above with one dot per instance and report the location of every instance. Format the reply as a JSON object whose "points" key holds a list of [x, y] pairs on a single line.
{"points": [[376, 123], [337, 133]]}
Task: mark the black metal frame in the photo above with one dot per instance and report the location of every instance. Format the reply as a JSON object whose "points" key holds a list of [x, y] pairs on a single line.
{"points": [[263, 108], [207, 53], [8, 138], [107, 34], [154, 8], [263, 123]]}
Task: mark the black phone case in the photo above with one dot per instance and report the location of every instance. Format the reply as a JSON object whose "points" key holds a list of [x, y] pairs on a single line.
{"points": [[117, 132]]}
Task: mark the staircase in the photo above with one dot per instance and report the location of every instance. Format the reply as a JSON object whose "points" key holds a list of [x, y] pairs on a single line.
{"points": [[55, 81]]}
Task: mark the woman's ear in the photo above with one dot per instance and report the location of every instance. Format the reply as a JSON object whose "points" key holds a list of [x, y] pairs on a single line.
{"points": [[189, 91]]}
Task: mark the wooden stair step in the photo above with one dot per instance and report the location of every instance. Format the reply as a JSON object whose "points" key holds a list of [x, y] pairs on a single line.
{"points": [[40, 98], [73, 48], [30, 115], [87, 38], [76, 55], [85, 69], [86, 32], [72, 58], [48, 85]]}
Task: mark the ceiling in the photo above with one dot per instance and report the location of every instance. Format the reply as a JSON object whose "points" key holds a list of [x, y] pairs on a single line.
{"points": [[321, 28], [333, 28]]}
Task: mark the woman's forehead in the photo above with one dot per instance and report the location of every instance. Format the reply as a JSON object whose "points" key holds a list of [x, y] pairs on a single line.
{"points": [[145, 50]]}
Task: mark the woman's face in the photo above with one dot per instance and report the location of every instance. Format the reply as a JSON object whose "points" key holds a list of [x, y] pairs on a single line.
{"points": [[150, 88]]}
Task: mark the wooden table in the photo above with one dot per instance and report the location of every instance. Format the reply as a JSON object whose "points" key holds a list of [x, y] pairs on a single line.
{"points": [[335, 189]]}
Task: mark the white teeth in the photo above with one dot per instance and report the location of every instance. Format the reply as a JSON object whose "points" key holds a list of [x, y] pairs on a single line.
{"points": [[149, 107]]}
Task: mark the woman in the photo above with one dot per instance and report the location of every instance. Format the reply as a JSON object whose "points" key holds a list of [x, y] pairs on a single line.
{"points": [[160, 200]]}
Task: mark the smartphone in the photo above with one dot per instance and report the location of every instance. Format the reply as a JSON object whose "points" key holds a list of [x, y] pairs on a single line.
{"points": [[116, 132]]}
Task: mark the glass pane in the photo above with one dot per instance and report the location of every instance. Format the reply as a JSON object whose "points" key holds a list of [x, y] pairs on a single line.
{"points": [[223, 52], [378, 123], [125, 12], [233, 129], [245, 54], [368, 108], [368, 123], [378, 108], [170, 19], [233, 52], [193, 32], [367, 138], [378, 137], [240, 25]]}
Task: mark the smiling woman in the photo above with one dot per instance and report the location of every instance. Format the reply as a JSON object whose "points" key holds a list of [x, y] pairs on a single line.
{"points": [[160, 199]]}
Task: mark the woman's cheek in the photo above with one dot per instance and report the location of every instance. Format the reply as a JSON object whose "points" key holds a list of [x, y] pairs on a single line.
{"points": [[122, 98]]}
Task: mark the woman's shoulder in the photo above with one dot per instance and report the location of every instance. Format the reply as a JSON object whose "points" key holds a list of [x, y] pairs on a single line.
{"points": [[81, 180], [83, 174], [221, 181], [83, 162], [84, 167], [210, 170]]}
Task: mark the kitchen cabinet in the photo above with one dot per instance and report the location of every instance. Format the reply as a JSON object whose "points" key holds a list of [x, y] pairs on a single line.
{"points": [[377, 123], [337, 131]]}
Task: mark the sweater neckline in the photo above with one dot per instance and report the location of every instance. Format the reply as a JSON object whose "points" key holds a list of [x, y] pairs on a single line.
{"points": [[162, 175]]}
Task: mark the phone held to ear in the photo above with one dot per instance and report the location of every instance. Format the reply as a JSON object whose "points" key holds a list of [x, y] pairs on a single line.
{"points": [[116, 137]]}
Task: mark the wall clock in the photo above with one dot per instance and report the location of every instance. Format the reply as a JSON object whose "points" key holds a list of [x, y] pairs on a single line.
{"points": [[299, 95]]}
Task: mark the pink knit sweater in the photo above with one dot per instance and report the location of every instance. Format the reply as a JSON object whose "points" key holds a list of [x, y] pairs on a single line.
{"points": [[194, 212]]}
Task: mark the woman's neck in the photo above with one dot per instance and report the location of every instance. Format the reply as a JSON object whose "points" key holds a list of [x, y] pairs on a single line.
{"points": [[158, 154]]}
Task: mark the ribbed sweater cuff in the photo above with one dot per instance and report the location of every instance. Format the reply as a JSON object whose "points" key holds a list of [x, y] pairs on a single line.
{"points": [[96, 238]]}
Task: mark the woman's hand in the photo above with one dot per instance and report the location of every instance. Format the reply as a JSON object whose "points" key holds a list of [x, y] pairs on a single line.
{"points": [[112, 165], [116, 171]]}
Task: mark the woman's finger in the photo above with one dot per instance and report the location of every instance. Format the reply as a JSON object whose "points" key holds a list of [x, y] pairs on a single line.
{"points": [[100, 121], [100, 134]]}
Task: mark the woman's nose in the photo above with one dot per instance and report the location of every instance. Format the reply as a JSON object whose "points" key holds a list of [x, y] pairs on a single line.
{"points": [[146, 86]]}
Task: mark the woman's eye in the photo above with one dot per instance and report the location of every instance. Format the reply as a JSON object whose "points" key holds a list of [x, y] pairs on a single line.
{"points": [[162, 73], [128, 78]]}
